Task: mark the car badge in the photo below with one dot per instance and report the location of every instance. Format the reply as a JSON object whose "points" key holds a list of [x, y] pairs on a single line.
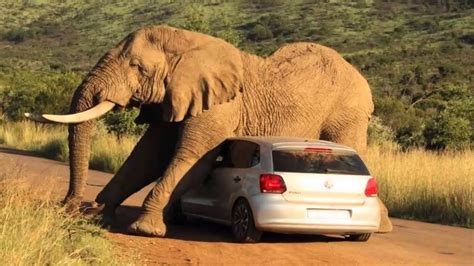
{"points": [[328, 184]]}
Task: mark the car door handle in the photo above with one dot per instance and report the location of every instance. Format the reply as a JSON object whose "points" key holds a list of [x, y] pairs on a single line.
{"points": [[237, 179]]}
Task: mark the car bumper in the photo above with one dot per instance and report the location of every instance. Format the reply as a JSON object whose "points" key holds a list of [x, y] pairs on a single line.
{"points": [[273, 213]]}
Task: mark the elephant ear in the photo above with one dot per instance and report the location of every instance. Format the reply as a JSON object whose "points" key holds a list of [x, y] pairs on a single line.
{"points": [[204, 76]]}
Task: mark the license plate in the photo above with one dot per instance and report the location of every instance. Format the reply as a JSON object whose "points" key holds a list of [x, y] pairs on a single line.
{"points": [[329, 214]]}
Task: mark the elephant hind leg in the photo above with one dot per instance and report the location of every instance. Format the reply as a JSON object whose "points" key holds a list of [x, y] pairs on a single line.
{"points": [[349, 129]]}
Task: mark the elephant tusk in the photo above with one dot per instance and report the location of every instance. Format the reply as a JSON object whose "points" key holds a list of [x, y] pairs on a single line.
{"points": [[87, 115]]}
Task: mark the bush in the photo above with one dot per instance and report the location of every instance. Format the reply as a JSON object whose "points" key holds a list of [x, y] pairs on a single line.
{"points": [[37, 92], [228, 33], [196, 19], [468, 38], [448, 131], [123, 123], [18, 35], [279, 25], [453, 127], [407, 123], [378, 133], [268, 3], [17, 102], [259, 33], [410, 136]]}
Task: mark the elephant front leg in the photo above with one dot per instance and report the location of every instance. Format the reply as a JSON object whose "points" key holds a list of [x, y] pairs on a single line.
{"points": [[192, 162], [146, 163], [180, 176]]}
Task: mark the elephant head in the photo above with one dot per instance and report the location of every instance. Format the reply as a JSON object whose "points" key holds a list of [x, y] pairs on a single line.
{"points": [[183, 73]]}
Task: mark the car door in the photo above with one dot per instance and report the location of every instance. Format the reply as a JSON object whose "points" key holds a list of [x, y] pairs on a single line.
{"points": [[213, 199], [228, 178], [202, 200]]}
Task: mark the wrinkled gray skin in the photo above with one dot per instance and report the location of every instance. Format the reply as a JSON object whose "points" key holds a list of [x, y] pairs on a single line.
{"points": [[195, 92]]}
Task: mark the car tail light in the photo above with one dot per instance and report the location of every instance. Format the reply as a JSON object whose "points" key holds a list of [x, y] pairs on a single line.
{"points": [[371, 188], [270, 183], [318, 149]]}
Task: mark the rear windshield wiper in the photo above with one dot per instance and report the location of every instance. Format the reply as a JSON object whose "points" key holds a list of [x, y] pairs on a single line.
{"points": [[338, 171]]}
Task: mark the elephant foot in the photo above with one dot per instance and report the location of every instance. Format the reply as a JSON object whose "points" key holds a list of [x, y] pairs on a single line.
{"points": [[92, 208], [72, 205], [148, 226], [104, 214]]}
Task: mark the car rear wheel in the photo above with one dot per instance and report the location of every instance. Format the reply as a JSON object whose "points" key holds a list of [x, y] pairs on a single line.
{"points": [[359, 237], [243, 225]]}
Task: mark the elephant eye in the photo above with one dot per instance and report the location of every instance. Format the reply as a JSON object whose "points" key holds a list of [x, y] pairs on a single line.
{"points": [[134, 62], [142, 70]]}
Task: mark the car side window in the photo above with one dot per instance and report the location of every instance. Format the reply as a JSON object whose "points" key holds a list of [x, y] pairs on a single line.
{"points": [[239, 154]]}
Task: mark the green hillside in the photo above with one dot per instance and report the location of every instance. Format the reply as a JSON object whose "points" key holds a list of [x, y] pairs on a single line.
{"points": [[417, 55]]}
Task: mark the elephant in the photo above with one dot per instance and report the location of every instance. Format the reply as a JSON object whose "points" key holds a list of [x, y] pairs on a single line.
{"points": [[195, 91]]}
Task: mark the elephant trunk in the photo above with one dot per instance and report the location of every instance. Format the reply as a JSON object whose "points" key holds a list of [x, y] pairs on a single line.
{"points": [[79, 140], [102, 89]]}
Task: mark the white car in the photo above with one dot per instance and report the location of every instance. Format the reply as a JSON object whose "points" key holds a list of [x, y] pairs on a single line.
{"points": [[287, 185]]}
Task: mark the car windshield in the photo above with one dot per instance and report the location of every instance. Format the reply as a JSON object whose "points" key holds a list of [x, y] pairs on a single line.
{"points": [[318, 162]]}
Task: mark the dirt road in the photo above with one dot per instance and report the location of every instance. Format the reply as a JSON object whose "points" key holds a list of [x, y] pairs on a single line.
{"points": [[206, 243]]}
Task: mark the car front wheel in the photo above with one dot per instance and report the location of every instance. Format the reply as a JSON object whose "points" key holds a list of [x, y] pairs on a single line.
{"points": [[359, 238], [243, 225]]}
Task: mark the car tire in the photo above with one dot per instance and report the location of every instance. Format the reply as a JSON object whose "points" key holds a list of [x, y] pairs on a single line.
{"points": [[359, 237], [243, 225]]}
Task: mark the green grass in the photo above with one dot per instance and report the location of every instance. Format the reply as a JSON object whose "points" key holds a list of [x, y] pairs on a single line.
{"points": [[34, 230]]}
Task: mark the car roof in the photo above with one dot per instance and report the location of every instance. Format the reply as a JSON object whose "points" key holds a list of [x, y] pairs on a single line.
{"points": [[276, 142]]}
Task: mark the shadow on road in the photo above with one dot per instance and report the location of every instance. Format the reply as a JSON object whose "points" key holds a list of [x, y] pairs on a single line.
{"points": [[17, 152], [203, 231]]}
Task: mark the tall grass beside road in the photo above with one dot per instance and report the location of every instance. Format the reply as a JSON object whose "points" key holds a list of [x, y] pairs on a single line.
{"points": [[427, 186], [416, 184], [50, 141], [36, 231]]}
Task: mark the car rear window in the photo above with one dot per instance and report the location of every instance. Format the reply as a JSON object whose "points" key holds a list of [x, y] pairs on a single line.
{"points": [[318, 162]]}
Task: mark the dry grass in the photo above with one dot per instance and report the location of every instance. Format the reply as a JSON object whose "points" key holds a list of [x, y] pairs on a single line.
{"points": [[36, 231], [47, 140], [108, 152], [428, 186], [417, 184]]}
